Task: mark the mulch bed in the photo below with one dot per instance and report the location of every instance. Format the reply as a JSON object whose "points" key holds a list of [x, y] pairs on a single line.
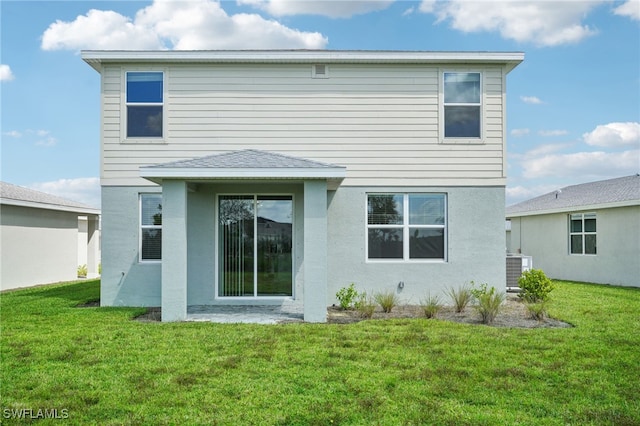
{"points": [[513, 314]]}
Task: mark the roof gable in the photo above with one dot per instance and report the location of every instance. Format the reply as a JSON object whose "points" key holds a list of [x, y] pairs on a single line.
{"points": [[604, 193]]}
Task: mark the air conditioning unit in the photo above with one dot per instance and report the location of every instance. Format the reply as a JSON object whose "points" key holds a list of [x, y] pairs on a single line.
{"points": [[516, 265]]}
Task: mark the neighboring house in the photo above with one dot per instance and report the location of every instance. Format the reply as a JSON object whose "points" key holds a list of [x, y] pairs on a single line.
{"points": [[44, 238], [588, 232], [272, 177]]}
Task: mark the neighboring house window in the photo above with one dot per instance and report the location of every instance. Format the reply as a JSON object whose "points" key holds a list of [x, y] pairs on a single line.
{"points": [[582, 233], [406, 226], [462, 104], [150, 227], [144, 104]]}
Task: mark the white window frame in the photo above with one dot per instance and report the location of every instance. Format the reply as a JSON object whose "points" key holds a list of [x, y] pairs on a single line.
{"points": [[583, 233], [468, 140], [124, 108], [406, 226], [255, 296], [141, 227]]}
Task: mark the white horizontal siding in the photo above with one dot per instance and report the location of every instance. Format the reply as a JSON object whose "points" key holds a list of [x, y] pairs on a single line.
{"points": [[380, 121]]}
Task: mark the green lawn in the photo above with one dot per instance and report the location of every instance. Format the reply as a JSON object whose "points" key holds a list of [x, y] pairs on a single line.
{"points": [[102, 368]]}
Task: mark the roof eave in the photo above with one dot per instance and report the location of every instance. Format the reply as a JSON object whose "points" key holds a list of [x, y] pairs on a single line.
{"points": [[569, 209], [157, 175], [96, 58], [48, 206]]}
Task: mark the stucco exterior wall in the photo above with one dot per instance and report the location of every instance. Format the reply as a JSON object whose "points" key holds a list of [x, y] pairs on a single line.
{"points": [[38, 246], [475, 234], [476, 245], [128, 282], [546, 238]]}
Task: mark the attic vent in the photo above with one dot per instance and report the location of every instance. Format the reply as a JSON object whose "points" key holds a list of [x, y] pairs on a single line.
{"points": [[320, 71]]}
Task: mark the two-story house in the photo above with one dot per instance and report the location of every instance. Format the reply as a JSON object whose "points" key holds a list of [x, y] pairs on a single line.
{"points": [[257, 177]]}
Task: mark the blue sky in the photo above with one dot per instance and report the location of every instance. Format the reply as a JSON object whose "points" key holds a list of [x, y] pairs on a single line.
{"points": [[573, 105]]}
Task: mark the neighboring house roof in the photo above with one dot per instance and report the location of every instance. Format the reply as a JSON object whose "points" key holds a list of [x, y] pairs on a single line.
{"points": [[619, 192], [96, 58], [19, 196], [245, 164]]}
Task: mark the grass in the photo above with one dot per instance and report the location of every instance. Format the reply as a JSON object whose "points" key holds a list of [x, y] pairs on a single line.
{"points": [[105, 369]]}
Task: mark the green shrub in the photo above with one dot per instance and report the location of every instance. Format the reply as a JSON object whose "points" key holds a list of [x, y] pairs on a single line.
{"points": [[535, 286], [365, 305], [387, 300], [460, 297], [82, 271], [347, 296], [488, 302], [431, 305]]}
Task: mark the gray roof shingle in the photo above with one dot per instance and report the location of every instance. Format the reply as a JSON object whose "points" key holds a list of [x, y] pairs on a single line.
{"points": [[246, 159], [14, 194], [618, 190]]}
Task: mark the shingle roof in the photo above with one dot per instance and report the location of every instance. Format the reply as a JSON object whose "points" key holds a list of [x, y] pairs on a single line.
{"points": [[593, 194], [18, 195], [246, 159], [246, 164]]}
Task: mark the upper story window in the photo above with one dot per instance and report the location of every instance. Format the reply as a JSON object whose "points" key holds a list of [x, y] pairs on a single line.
{"points": [[406, 226], [150, 227], [462, 105], [582, 233], [145, 99]]}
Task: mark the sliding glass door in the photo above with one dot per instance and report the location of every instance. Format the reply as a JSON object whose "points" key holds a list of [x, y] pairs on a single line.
{"points": [[255, 245]]}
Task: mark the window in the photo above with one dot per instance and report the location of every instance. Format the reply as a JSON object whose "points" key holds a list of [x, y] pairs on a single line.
{"points": [[582, 233], [150, 227], [144, 104], [462, 102], [406, 226]]}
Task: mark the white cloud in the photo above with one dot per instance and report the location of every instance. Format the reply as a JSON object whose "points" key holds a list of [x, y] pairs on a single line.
{"points": [[5, 73], [188, 25], [38, 137], [39, 132], [99, 29], [427, 6], [519, 132], [332, 9], [549, 133], [48, 141], [585, 164], [408, 11], [543, 23], [82, 190], [531, 100], [13, 134], [545, 149], [631, 9], [614, 135]]}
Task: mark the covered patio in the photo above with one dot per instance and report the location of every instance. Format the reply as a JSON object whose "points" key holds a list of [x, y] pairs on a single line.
{"points": [[238, 172]]}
